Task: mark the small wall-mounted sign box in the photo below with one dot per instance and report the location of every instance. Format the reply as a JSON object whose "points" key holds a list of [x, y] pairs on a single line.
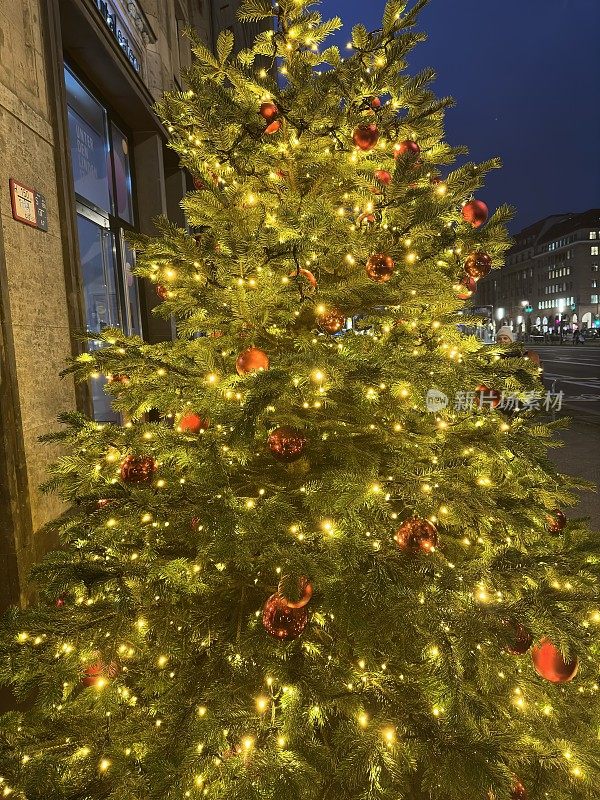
{"points": [[28, 206]]}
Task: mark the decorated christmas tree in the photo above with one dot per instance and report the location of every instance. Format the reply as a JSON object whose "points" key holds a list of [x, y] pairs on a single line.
{"points": [[285, 574]]}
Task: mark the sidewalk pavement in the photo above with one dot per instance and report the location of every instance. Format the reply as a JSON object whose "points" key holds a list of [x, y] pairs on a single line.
{"points": [[580, 457]]}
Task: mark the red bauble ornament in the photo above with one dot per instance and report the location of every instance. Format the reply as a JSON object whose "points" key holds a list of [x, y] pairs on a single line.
{"points": [[550, 665], [465, 288], [199, 184], [375, 103], [556, 521], [380, 267], [365, 137], [407, 146], [162, 291], [268, 111], [138, 469], [478, 265], [486, 397], [193, 423], [99, 671], [281, 620], [331, 321], [519, 638], [273, 127], [252, 360], [118, 378], [518, 791], [475, 212], [383, 176], [366, 219], [417, 535], [305, 273], [287, 444]]}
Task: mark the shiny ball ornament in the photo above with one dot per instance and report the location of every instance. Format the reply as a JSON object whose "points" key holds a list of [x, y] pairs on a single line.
{"points": [[486, 397], [383, 176], [193, 423], [557, 521], [550, 665], [307, 275], [138, 469], [375, 103], [162, 291], [252, 360], [118, 379], [478, 265], [475, 213], [417, 535], [99, 671], [518, 791], [380, 268], [366, 219], [282, 621], [199, 184], [103, 502], [465, 288], [365, 137], [520, 639], [287, 444], [407, 146], [331, 321], [273, 127], [268, 111]]}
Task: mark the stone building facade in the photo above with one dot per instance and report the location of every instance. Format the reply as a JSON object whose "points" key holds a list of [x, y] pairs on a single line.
{"points": [[551, 279], [83, 160]]}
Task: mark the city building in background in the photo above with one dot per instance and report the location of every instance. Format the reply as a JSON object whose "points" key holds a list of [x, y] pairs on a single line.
{"points": [[84, 160], [550, 283]]}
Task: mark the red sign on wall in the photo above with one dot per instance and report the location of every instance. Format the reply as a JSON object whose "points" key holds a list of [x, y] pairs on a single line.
{"points": [[28, 206]]}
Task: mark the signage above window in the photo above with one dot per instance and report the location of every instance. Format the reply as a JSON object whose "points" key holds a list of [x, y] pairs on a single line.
{"points": [[129, 26]]}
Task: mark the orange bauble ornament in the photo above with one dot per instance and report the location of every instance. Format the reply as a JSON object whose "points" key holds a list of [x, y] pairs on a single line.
{"points": [[268, 111], [252, 360], [407, 146], [518, 791], [383, 176], [365, 137], [520, 638], [138, 469], [98, 673], [465, 288], [556, 521], [478, 265], [416, 535], [475, 213], [550, 665], [193, 423], [287, 444], [486, 397], [331, 321], [273, 127], [118, 379], [306, 274], [380, 267], [162, 291], [285, 619]]}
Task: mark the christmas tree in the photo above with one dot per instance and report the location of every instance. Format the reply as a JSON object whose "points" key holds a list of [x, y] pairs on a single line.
{"points": [[284, 576]]}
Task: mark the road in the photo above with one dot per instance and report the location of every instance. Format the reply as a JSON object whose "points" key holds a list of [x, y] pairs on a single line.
{"points": [[576, 371]]}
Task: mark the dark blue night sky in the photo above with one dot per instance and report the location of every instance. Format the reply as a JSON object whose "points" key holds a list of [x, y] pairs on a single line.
{"points": [[525, 75]]}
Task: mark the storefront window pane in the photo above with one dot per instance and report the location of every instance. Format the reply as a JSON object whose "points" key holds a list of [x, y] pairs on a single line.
{"points": [[132, 300], [102, 307], [122, 173], [89, 144]]}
